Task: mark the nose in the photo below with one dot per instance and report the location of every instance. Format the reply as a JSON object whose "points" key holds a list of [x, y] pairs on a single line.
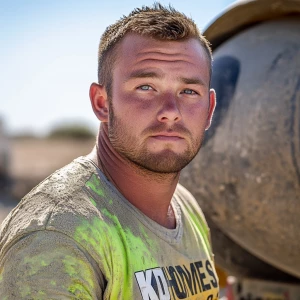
{"points": [[169, 111]]}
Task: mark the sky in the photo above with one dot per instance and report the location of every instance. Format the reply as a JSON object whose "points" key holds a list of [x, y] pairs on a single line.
{"points": [[48, 56]]}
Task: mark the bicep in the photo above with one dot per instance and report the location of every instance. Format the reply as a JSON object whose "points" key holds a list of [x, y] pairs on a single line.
{"points": [[48, 265]]}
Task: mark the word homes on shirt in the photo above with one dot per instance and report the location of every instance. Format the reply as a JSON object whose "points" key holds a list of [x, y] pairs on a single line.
{"points": [[196, 281]]}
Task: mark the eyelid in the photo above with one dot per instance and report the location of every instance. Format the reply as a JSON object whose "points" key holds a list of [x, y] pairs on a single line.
{"points": [[193, 91]]}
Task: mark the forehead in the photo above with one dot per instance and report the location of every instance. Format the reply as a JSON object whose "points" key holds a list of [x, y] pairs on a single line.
{"points": [[136, 51]]}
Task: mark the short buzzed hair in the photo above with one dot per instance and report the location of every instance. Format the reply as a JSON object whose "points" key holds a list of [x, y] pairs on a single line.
{"points": [[158, 22]]}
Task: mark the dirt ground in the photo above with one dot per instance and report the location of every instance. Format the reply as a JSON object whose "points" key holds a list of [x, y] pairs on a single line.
{"points": [[32, 160]]}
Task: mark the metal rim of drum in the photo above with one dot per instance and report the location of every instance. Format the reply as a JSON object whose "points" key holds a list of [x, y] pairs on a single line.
{"points": [[244, 14]]}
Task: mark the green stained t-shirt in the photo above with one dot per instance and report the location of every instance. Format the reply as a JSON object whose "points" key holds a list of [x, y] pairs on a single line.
{"points": [[75, 236]]}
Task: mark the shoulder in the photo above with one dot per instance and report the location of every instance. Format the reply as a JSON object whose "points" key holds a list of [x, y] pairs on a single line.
{"points": [[188, 202], [192, 214], [183, 192], [59, 203], [190, 208], [51, 262]]}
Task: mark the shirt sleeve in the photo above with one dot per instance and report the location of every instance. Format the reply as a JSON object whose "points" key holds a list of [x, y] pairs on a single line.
{"points": [[49, 265]]}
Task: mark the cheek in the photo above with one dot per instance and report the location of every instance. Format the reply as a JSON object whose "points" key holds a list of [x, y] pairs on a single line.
{"points": [[135, 112], [195, 119], [196, 113], [130, 121], [132, 104]]}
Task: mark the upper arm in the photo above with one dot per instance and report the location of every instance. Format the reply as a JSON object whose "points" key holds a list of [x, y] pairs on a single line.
{"points": [[49, 265]]}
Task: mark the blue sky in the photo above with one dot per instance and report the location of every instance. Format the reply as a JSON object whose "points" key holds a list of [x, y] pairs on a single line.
{"points": [[48, 56]]}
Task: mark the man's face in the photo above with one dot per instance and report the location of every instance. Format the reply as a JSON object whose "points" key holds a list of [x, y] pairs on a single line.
{"points": [[161, 103]]}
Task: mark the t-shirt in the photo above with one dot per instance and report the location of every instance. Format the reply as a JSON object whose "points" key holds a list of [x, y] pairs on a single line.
{"points": [[75, 236]]}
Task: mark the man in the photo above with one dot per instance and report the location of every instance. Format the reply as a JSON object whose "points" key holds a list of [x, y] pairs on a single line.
{"points": [[116, 224]]}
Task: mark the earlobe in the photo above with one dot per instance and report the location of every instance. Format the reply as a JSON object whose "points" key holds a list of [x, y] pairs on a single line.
{"points": [[212, 106], [99, 101]]}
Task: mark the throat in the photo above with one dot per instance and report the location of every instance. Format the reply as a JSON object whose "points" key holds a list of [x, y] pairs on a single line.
{"points": [[150, 194]]}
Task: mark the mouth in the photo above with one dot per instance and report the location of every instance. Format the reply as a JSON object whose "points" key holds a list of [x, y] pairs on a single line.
{"points": [[167, 136]]}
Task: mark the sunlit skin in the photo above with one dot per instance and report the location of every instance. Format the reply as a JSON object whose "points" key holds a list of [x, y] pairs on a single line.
{"points": [[154, 125]]}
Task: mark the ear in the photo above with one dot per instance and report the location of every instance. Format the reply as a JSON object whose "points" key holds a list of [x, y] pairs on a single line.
{"points": [[99, 101], [212, 106]]}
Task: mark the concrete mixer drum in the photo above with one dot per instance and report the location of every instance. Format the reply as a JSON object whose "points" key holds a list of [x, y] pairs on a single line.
{"points": [[247, 175]]}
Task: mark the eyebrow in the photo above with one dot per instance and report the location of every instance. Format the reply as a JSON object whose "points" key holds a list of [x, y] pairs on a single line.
{"points": [[149, 74], [192, 80]]}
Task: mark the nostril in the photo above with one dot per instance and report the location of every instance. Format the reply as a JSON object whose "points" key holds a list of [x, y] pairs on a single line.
{"points": [[164, 119]]}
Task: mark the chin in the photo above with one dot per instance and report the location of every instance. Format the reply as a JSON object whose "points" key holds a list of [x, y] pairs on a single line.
{"points": [[164, 162]]}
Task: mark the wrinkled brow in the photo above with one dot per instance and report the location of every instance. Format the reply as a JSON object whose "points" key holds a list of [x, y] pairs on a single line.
{"points": [[144, 74]]}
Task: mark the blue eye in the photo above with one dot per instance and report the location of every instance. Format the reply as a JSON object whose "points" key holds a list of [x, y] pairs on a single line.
{"points": [[145, 87], [189, 92]]}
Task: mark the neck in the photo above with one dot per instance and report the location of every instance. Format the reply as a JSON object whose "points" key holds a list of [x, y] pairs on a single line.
{"points": [[149, 191]]}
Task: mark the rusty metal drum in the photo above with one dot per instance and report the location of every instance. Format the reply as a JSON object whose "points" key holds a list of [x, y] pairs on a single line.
{"points": [[247, 174]]}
